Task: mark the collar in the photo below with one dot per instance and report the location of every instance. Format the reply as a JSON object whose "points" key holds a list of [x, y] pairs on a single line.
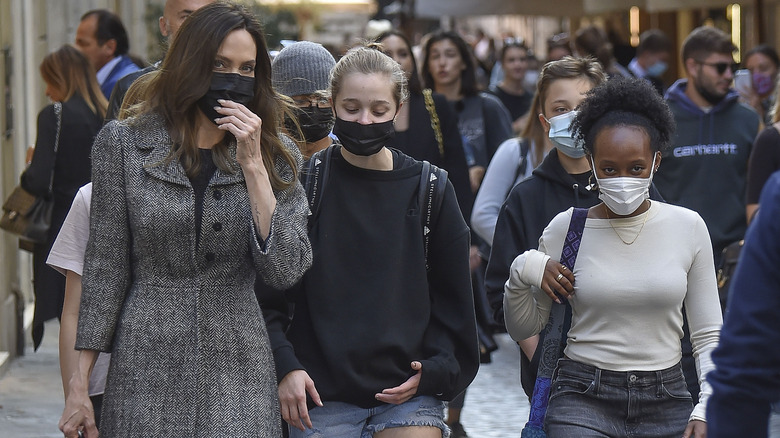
{"points": [[156, 163], [104, 72], [636, 69]]}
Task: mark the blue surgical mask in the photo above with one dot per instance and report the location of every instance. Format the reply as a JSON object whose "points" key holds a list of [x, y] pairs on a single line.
{"points": [[561, 136], [657, 69]]}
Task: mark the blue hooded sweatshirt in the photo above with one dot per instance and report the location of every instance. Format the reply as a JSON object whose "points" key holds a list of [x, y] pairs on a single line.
{"points": [[706, 167]]}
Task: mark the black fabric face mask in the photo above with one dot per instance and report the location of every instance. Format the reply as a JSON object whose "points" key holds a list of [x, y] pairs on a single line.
{"points": [[363, 140], [228, 86], [316, 123]]}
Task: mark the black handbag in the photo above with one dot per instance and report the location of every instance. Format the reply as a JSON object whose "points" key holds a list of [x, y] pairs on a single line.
{"points": [[726, 269], [27, 215]]}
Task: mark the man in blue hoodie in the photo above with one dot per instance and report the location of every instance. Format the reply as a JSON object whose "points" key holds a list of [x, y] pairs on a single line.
{"points": [[706, 168]]}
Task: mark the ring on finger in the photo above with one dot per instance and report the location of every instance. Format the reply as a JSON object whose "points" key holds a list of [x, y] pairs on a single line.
{"points": [[563, 268], [558, 278]]}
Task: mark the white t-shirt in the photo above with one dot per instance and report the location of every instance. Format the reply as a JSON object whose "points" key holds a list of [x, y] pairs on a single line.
{"points": [[628, 299], [67, 254]]}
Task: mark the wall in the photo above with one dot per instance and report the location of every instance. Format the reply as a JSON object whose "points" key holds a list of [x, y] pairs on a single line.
{"points": [[30, 29]]}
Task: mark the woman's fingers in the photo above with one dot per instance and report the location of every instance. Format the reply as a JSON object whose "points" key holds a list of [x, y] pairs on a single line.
{"points": [[557, 281]]}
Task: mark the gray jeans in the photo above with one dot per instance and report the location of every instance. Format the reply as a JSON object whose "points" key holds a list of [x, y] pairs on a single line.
{"points": [[588, 402]]}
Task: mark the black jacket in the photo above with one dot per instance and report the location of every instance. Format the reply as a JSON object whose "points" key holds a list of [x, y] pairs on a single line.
{"points": [[419, 142]]}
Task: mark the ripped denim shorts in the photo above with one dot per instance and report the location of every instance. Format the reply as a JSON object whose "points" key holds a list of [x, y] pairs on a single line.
{"points": [[337, 419]]}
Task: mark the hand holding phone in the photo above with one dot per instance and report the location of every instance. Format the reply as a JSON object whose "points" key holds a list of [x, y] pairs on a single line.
{"points": [[743, 82]]}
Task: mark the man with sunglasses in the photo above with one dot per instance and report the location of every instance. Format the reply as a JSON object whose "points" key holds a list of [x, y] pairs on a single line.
{"points": [[706, 167], [705, 170]]}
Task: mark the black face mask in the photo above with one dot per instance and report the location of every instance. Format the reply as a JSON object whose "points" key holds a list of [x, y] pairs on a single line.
{"points": [[316, 123], [363, 140], [228, 86]]}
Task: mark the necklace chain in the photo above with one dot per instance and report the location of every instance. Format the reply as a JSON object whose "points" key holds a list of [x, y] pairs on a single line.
{"points": [[609, 220]]}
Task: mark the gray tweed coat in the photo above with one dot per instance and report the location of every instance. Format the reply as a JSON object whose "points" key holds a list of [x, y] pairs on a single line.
{"points": [[191, 356]]}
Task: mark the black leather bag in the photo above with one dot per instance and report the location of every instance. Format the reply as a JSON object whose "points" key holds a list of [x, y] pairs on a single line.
{"points": [[27, 215], [726, 269]]}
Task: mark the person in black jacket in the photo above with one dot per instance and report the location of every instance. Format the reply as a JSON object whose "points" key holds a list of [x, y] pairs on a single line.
{"points": [[415, 134], [376, 341], [71, 81]]}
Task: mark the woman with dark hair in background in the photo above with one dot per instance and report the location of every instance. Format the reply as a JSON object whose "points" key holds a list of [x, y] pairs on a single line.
{"points": [[70, 82], [511, 90], [424, 131], [192, 200], [763, 63], [484, 123]]}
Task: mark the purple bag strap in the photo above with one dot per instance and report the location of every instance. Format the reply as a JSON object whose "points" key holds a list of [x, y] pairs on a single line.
{"points": [[557, 329]]}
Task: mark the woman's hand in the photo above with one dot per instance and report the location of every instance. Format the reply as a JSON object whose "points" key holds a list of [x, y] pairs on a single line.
{"points": [[476, 173], [292, 397], [695, 429], [79, 413], [246, 127], [557, 279], [405, 391]]}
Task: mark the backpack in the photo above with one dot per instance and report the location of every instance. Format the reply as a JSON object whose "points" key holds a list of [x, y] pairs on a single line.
{"points": [[433, 183]]}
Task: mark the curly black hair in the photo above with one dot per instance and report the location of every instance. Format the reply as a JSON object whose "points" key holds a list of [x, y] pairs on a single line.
{"points": [[624, 102]]}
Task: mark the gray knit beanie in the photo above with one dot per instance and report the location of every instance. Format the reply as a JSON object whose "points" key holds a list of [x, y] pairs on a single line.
{"points": [[302, 68]]}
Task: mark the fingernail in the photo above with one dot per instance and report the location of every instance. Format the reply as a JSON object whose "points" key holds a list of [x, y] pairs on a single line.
{"points": [[217, 107]]}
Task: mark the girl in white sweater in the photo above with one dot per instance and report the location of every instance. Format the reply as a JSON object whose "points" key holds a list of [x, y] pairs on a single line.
{"points": [[638, 263]]}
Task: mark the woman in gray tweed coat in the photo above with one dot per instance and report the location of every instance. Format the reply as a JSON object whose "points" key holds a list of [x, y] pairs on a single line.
{"points": [[191, 200]]}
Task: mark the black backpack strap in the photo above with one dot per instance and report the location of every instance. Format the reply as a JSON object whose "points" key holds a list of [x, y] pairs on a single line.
{"points": [[433, 183], [314, 180], [525, 145]]}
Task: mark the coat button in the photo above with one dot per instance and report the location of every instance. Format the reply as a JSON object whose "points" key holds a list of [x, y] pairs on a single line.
{"points": [[217, 194], [210, 256], [217, 226]]}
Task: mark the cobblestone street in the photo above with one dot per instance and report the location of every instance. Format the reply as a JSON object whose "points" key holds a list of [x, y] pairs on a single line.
{"points": [[496, 405], [31, 394]]}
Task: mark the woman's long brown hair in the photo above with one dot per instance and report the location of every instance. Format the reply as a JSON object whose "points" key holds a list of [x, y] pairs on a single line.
{"points": [[185, 75]]}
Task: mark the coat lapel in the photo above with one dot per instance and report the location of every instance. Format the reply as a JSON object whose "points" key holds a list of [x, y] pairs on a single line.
{"points": [[157, 165], [224, 178]]}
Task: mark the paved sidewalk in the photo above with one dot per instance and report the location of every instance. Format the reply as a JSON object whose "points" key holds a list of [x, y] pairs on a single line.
{"points": [[31, 398]]}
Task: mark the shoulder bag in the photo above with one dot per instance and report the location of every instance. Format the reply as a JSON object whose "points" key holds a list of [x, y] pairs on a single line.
{"points": [[27, 215]]}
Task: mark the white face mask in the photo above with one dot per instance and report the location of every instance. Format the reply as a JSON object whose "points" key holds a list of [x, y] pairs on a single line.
{"points": [[561, 136], [624, 194]]}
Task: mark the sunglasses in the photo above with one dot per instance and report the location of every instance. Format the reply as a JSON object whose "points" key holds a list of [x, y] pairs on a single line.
{"points": [[721, 67]]}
